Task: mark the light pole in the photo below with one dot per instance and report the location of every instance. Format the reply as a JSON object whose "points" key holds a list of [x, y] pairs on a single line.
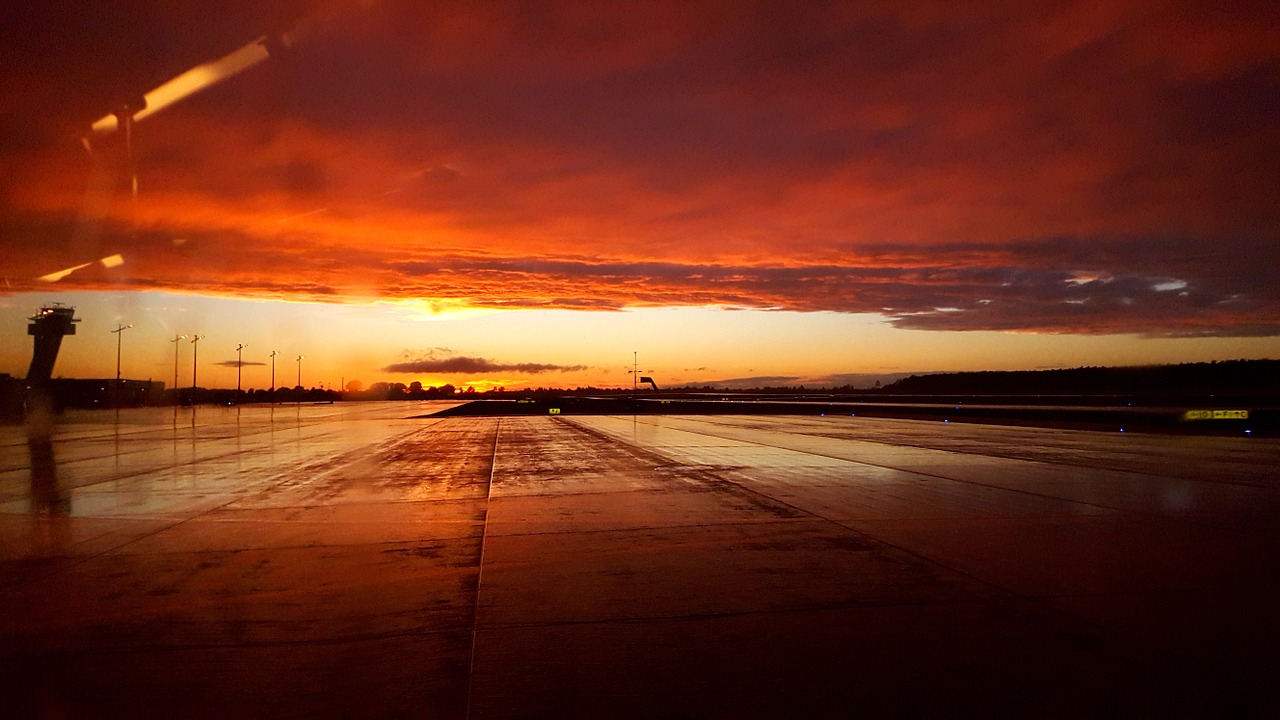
{"points": [[239, 364], [195, 352], [176, 339], [274, 353], [635, 373], [118, 332], [300, 370]]}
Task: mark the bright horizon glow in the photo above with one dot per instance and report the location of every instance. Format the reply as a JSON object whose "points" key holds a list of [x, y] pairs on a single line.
{"points": [[681, 345], [493, 193]]}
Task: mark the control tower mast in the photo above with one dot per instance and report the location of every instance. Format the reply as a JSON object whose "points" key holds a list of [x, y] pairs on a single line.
{"points": [[48, 326]]}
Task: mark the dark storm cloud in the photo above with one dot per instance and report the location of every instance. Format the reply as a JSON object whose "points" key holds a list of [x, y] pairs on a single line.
{"points": [[1154, 286], [473, 365], [1151, 286]]}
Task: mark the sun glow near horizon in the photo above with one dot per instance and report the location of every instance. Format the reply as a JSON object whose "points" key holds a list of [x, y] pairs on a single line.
{"points": [[486, 348]]}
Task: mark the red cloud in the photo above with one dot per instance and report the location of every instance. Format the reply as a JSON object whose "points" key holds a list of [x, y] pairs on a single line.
{"points": [[951, 167]]}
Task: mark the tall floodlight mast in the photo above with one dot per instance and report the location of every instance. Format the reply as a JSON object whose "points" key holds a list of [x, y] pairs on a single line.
{"points": [[239, 364], [176, 339], [118, 332], [195, 348]]}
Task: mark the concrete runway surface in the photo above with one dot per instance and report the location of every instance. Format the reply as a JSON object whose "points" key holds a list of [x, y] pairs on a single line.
{"points": [[341, 560]]}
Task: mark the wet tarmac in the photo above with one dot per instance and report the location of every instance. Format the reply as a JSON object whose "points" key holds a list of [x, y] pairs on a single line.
{"points": [[345, 560]]}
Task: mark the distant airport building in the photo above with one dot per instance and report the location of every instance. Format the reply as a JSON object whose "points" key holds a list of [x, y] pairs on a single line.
{"points": [[105, 393], [64, 393], [40, 390], [10, 396]]}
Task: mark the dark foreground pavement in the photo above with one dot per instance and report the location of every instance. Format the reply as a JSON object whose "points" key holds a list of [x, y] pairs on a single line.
{"points": [[344, 561]]}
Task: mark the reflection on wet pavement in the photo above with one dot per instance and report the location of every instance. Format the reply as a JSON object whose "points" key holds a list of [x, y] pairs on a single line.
{"points": [[344, 560]]}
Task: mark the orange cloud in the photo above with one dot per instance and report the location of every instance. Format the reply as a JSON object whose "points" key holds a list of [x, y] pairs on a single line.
{"points": [[949, 167]]}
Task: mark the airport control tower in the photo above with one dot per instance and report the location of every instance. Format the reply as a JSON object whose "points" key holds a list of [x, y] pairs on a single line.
{"points": [[48, 326]]}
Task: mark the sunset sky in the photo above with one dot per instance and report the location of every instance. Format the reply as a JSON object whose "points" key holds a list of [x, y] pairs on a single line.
{"points": [[524, 194]]}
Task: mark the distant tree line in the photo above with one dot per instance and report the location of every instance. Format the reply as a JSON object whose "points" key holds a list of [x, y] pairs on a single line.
{"points": [[401, 391], [1230, 377]]}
